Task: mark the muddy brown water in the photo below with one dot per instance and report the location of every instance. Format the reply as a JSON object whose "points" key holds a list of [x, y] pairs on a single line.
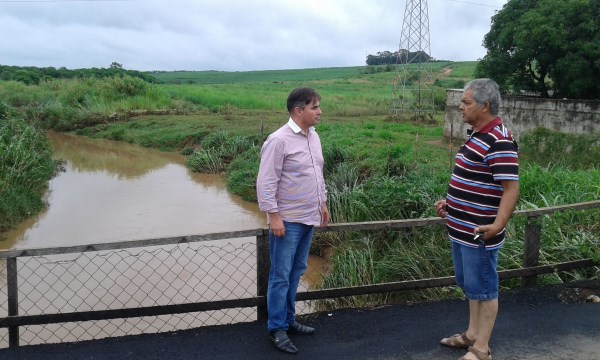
{"points": [[112, 191]]}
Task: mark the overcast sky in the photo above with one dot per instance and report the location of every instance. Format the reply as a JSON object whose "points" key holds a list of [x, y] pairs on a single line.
{"points": [[229, 35]]}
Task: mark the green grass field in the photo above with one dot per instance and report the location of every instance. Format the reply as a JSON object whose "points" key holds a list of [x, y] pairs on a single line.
{"points": [[274, 76], [458, 69], [377, 167]]}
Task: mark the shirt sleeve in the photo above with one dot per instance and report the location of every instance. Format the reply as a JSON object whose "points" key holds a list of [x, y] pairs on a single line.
{"points": [[269, 174], [323, 184], [503, 160], [320, 167], [324, 191]]}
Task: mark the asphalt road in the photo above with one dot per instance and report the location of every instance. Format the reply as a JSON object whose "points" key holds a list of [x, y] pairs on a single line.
{"points": [[538, 323]]}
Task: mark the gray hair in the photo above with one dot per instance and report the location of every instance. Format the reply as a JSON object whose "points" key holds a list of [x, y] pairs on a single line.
{"points": [[485, 91]]}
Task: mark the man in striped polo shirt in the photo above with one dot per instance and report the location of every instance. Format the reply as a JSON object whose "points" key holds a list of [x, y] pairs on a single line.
{"points": [[482, 196]]}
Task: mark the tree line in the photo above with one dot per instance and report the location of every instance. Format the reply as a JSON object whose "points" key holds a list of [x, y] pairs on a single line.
{"points": [[547, 47], [398, 57], [32, 75]]}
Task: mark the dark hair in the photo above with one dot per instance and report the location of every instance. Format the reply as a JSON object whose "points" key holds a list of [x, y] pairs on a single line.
{"points": [[301, 97], [485, 90]]}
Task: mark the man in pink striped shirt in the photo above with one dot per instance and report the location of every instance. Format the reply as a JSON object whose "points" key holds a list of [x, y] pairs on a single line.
{"points": [[291, 190]]}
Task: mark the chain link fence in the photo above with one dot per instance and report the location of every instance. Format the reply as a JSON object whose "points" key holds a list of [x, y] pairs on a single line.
{"points": [[137, 278], [159, 285]]}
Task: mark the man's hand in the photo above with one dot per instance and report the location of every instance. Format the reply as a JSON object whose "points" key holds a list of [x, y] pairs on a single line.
{"points": [[489, 231], [276, 224], [440, 208], [508, 202], [324, 215]]}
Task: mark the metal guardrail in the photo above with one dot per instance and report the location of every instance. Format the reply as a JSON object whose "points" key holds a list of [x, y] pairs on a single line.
{"points": [[89, 281]]}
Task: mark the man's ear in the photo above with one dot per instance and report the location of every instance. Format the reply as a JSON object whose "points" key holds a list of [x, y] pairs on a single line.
{"points": [[487, 106], [297, 111]]}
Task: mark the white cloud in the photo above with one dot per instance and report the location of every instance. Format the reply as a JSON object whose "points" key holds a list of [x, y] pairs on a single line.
{"points": [[229, 35]]}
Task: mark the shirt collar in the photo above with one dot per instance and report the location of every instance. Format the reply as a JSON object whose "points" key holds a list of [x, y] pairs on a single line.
{"points": [[295, 128], [491, 125]]}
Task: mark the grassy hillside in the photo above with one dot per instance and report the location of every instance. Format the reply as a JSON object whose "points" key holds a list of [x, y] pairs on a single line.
{"points": [[457, 69], [351, 91], [235, 77]]}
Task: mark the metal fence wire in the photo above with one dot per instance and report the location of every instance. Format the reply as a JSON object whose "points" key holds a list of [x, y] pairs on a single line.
{"points": [[159, 285], [134, 278]]}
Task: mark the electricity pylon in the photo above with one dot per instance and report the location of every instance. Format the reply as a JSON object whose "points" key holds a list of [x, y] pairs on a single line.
{"points": [[412, 92]]}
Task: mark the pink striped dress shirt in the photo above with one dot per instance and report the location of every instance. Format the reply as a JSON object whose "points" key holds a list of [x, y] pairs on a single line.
{"points": [[290, 178]]}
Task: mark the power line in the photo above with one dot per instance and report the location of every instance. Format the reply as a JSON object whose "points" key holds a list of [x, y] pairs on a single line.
{"points": [[58, 1]]}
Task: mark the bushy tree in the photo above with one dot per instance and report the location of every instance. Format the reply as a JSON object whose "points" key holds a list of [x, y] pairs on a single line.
{"points": [[397, 57], [551, 47], [31, 75]]}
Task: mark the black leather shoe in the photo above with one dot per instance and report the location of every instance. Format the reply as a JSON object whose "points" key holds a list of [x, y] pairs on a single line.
{"points": [[282, 342], [297, 328]]}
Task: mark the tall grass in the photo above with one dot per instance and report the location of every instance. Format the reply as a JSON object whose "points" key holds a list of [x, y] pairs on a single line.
{"points": [[415, 254], [395, 173], [77, 103], [550, 185], [242, 173], [218, 151], [218, 97], [346, 196], [353, 267], [576, 151], [366, 96], [26, 165]]}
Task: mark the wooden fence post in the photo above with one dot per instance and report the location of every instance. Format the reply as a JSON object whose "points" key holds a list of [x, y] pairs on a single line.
{"points": [[263, 264], [531, 251], [13, 299]]}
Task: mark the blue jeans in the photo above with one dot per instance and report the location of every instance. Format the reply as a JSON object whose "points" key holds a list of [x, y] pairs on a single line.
{"points": [[476, 271], [289, 255]]}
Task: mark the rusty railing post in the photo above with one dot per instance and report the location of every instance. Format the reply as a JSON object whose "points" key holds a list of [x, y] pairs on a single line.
{"points": [[531, 250], [263, 264], [13, 299]]}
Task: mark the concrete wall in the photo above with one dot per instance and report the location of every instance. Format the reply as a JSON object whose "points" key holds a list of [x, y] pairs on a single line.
{"points": [[522, 115]]}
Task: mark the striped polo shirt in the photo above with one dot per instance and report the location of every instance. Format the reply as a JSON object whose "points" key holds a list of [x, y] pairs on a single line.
{"points": [[488, 157]]}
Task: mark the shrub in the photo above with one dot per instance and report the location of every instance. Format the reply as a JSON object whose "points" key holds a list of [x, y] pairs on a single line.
{"points": [[206, 161], [25, 167], [576, 151], [125, 86]]}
